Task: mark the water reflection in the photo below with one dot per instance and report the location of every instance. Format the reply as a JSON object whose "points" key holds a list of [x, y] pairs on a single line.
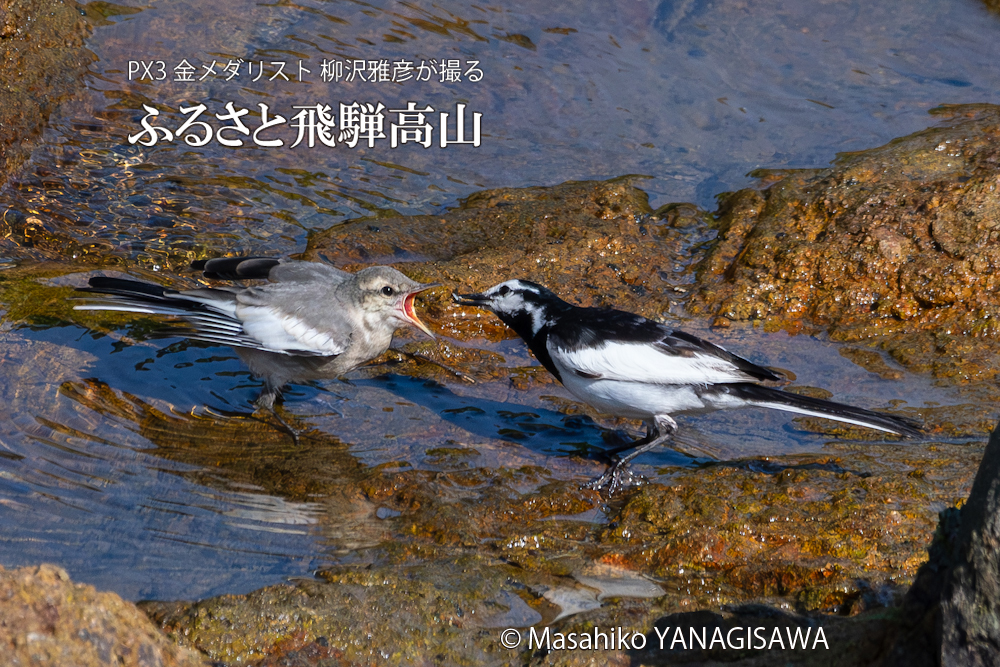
{"points": [[143, 469], [80, 488]]}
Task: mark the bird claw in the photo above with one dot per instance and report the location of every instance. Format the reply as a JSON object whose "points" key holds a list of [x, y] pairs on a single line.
{"points": [[616, 478]]}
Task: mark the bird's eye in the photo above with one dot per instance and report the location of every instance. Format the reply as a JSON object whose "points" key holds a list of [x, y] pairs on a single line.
{"points": [[388, 291], [503, 291]]}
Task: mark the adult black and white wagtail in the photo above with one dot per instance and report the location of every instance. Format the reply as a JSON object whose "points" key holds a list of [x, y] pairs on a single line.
{"points": [[311, 321], [626, 365]]}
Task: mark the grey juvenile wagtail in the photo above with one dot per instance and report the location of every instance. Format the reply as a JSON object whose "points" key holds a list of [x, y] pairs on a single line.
{"points": [[311, 321]]}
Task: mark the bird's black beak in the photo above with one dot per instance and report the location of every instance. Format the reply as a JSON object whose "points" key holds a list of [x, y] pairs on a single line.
{"points": [[477, 300]]}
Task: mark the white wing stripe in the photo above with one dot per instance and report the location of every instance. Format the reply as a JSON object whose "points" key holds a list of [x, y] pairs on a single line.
{"points": [[203, 319], [279, 331], [637, 362]]}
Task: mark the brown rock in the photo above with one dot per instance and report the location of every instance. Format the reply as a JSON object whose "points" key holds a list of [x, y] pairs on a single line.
{"points": [[829, 532], [901, 239], [594, 243], [46, 619]]}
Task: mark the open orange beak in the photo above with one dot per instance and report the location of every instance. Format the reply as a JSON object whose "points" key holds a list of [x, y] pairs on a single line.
{"points": [[410, 313]]}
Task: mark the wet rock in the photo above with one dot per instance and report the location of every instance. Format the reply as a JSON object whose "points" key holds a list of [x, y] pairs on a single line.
{"points": [[947, 617], [834, 538], [901, 240], [951, 609], [595, 243], [837, 535], [363, 615], [46, 619]]}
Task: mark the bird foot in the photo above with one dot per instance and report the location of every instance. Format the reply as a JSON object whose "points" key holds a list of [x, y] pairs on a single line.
{"points": [[616, 478], [282, 424]]}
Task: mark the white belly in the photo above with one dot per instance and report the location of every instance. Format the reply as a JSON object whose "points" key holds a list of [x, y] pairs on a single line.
{"points": [[635, 400]]}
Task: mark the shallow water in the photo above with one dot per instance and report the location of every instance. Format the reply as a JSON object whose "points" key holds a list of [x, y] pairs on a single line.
{"points": [[139, 468], [693, 94], [128, 464]]}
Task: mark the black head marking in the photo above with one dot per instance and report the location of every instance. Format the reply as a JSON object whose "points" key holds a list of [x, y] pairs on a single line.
{"points": [[524, 306]]}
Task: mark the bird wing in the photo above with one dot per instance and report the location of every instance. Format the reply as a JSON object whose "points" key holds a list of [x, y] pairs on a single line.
{"points": [[682, 343], [296, 318], [236, 268], [210, 316], [269, 268], [296, 271], [650, 353]]}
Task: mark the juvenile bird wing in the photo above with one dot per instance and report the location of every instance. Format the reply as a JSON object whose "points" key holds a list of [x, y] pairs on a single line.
{"points": [[295, 271], [269, 268], [210, 315], [296, 318], [621, 346]]}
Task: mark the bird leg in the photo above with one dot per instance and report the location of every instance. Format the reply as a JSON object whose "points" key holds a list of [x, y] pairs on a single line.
{"points": [[268, 395], [612, 453], [617, 476], [285, 426], [266, 401]]}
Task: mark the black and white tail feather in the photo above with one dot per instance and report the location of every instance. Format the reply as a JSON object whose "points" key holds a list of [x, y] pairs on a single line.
{"points": [[768, 397], [623, 364]]}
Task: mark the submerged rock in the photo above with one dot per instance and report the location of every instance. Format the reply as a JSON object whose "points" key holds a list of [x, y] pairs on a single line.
{"points": [[467, 552], [42, 63]]}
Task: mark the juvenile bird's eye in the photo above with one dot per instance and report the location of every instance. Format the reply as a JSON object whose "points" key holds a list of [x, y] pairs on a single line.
{"points": [[388, 291], [503, 291]]}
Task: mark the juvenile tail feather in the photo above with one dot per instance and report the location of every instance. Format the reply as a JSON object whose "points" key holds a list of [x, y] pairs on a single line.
{"points": [[210, 314]]}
